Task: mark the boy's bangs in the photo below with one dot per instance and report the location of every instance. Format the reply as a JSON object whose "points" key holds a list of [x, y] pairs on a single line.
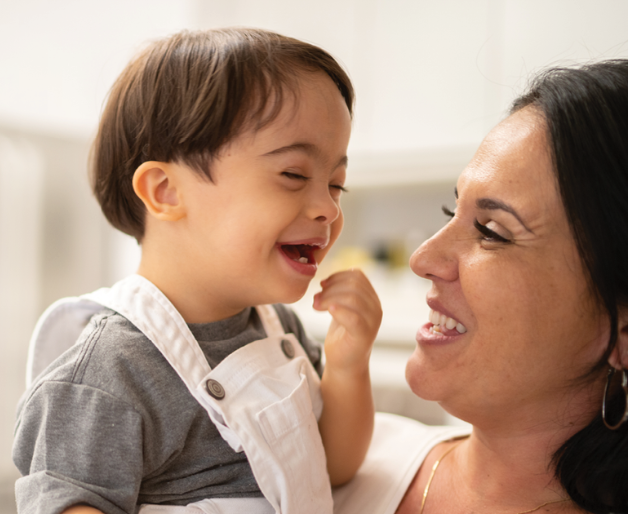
{"points": [[267, 102], [185, 97], [262, 102]]}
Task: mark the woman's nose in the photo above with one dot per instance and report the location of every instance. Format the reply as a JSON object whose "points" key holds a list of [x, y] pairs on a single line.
{"points": [[435, 258]]}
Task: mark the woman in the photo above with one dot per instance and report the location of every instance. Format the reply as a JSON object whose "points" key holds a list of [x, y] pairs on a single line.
{"points": [[529, 304]]}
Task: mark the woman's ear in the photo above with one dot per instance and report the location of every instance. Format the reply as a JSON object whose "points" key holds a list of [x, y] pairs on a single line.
{"points": [[619, 356], [156, 184]]}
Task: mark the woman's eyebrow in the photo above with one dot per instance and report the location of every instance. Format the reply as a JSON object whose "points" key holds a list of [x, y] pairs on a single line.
{"points": [[491, 205]]}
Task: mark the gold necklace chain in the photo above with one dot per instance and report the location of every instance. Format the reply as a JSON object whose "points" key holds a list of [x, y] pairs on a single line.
{"points": [[435, 467]]}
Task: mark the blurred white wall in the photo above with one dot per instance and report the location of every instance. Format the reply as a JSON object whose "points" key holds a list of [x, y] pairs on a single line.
{"points": [[21, 192], [431, 79]]}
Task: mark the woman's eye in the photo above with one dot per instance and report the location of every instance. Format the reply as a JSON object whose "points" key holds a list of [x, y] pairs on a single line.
{"points": [[489, 235], [339, 188]]}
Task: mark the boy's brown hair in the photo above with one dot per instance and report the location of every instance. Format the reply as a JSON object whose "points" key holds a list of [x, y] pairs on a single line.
{"points": [[184, 97]]}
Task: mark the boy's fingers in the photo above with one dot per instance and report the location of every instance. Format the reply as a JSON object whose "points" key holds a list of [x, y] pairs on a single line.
{"points": [[349, 298], [352, 274], [342, 300], [349, 287], [347, 317], [349, 283]]}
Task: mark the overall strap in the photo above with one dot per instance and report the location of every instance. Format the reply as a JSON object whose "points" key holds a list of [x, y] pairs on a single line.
{"points": [[270, 320], [144, 305]]}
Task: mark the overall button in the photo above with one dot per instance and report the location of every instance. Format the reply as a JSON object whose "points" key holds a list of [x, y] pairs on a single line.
{"points": [[215, 389], [287, 348]]}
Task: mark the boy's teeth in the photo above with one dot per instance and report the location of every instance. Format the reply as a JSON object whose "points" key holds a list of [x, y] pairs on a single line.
{"points": [[302, 260], [440, 321]]}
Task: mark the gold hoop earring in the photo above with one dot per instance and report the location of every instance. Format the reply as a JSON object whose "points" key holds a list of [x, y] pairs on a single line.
{"points": [[615, 403]]}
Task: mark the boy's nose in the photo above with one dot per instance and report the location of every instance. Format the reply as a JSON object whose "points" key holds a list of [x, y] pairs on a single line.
{"points": [[323, 207]]}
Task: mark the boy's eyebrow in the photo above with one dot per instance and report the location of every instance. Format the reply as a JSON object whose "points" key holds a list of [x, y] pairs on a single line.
{"points": [[307, 148]]}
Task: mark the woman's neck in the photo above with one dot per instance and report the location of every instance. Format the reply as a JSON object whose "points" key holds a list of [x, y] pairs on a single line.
{"points": [[514, 471], [506, 465]]}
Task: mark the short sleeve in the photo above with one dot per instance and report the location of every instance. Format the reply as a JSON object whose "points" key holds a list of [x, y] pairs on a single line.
{"points": [[77, 444]]}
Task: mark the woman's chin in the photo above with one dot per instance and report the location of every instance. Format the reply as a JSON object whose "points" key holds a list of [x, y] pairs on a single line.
{"points": [[420, 380]]}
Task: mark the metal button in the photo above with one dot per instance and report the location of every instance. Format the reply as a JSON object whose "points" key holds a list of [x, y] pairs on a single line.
{"points": [[287, 348], [215, 389]]}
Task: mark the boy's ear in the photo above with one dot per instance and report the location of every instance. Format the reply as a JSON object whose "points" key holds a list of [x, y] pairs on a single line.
{"points": [[619, 356], [155, 183]]}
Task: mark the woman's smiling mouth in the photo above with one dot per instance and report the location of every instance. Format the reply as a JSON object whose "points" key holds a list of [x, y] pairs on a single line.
{"points": [[442, 324]]}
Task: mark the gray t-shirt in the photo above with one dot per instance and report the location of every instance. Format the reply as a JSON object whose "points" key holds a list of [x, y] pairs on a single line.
{"points": [[111, 424]]}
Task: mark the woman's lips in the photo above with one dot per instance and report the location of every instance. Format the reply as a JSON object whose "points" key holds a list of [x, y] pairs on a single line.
{"points": [[440, 329], [442, 323]]}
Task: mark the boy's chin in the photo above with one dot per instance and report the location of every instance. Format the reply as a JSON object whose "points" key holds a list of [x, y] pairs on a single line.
{"points": [[293, 295]]}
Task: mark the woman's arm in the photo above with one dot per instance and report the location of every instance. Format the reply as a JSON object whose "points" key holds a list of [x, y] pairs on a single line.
{"points": [[346, 424]]}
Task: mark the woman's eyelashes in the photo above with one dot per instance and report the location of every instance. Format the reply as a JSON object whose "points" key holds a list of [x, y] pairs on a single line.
{"points": [[448, 212], [489, 235]]}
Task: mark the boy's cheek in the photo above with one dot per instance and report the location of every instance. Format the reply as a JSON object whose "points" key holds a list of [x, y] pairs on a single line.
{"points": [[319, 255], [336, 229]]}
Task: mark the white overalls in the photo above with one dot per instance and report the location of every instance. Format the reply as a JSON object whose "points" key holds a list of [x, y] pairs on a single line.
{"points": [[264, 398]]}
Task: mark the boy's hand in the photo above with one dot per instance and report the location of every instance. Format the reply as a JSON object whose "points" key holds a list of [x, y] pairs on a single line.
{"points": [[357, 313], [346, 423]]}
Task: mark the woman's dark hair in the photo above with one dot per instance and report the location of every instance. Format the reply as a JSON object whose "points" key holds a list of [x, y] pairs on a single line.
{"points": [[586, 113], [185, 97]]}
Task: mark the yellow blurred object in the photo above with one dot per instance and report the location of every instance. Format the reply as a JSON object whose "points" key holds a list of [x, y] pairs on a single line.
{"points": [[349, 257], [397, 255]]}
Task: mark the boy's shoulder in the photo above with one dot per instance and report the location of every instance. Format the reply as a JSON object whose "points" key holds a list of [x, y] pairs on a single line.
{"points": [[113, 372], [113, 355], [110, 355]]}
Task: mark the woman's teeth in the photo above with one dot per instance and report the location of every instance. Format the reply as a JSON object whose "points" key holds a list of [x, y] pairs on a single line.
{"points": [[439, 321], [303, 260]]}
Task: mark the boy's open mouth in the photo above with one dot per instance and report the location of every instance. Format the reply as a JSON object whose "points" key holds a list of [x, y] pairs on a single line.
{"points": [[300, 253]]}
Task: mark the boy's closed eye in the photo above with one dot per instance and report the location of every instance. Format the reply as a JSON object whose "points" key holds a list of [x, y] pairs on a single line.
{"points": [[299, 177], [295, 176], [294, 180]]}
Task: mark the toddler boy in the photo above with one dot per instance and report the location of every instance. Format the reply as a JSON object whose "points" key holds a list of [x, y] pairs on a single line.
{"points": [[224, 154]]}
